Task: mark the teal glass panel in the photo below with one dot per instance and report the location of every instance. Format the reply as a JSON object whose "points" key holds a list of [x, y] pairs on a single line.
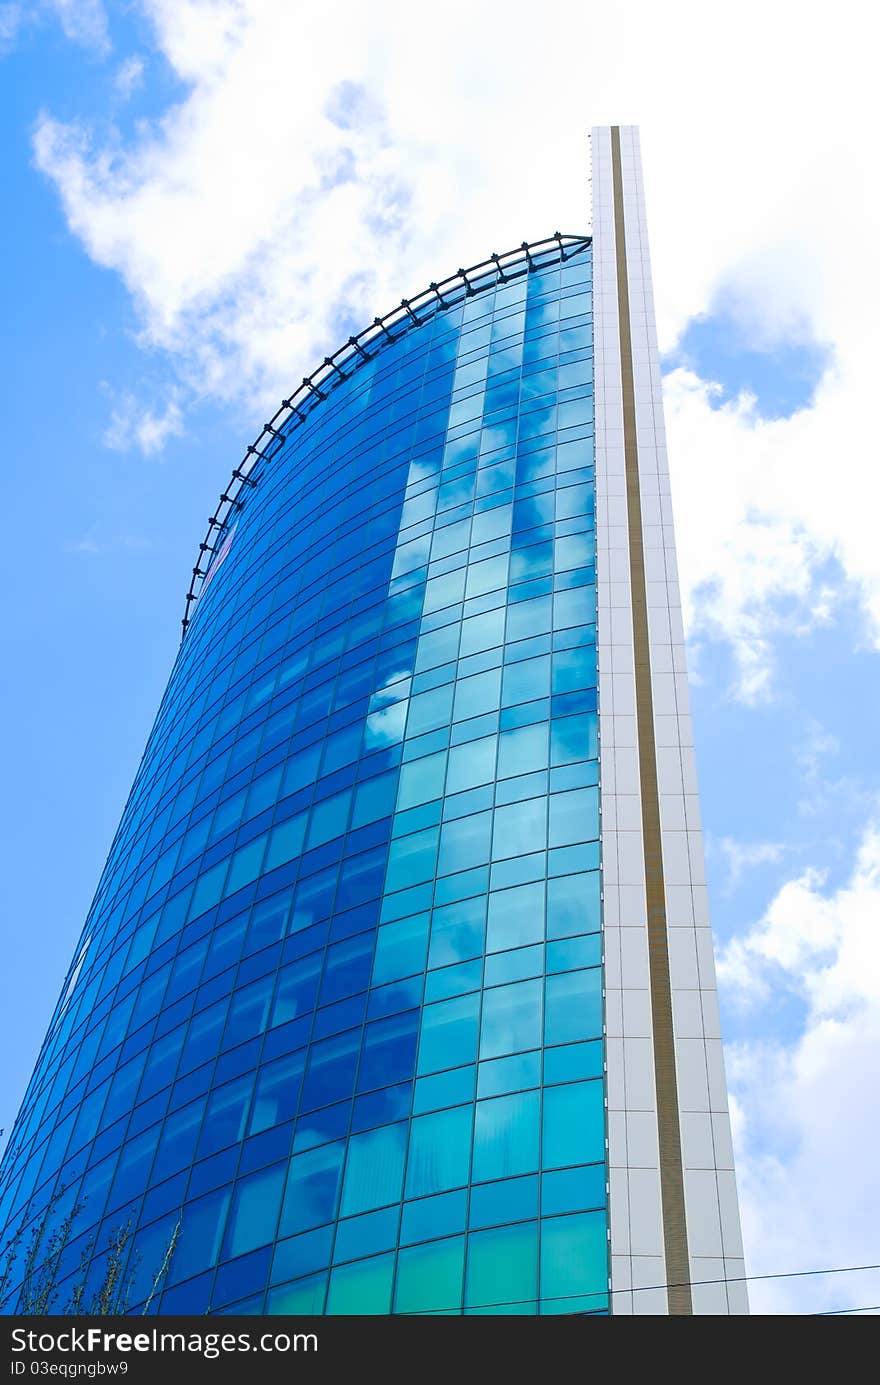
{"points": [[508, 1200], [363, 1287], [429, 1277], [573, 1061], [502, 1270], [574, 1264], [573, 1190], [300, 1299], [506, 1133], [574, 1124]]}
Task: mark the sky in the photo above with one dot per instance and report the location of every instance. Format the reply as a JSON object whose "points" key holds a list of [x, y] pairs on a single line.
{"points": [[204, 197]]}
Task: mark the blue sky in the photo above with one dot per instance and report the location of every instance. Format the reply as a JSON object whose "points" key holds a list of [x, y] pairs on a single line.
{"points": [[206, 197]]}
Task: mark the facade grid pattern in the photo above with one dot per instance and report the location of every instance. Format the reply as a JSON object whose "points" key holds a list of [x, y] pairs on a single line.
{"points": [[336, 1016]]}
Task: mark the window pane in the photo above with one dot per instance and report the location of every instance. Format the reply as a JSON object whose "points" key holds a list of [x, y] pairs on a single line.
{"points": [[429, 1277], [574, 1124], [511, 1019], [277, 1092], [304, 1297], [464, 843], [502, 1270], [400, 949], [471, 764], [573, 905], [574, 1006], [516, 917], [374, 1169], [574, 1263], [421, 780], [449, 1033], [574, 817], [411, 859], [506, 1136], [374, 799], [254, 1213], [520, 828], [312, 1188], [362, 1288], [457, 932], [508, 1200], [523, 750], [573, 1190], [575, 738], [439, 1152], [434, 1216]]}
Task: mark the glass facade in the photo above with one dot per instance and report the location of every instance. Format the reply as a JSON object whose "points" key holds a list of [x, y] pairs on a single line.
{"points": [[335, 1021]]}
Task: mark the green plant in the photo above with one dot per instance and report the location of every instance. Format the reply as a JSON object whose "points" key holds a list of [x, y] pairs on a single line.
{"points": [[39, 1292]]}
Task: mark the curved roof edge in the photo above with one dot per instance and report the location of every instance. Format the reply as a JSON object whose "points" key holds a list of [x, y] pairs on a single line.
{"points": [[464, 283]]}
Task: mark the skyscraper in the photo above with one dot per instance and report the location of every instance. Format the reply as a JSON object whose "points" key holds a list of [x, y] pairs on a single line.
{"points": [[397, 993]]}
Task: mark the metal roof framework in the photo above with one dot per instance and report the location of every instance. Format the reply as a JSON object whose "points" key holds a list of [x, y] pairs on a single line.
{"points": [[315, 388]]}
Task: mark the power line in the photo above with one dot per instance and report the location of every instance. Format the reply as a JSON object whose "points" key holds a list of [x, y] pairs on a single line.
{"points": [[693, 1283], [749, 1278], [834, 1312]]}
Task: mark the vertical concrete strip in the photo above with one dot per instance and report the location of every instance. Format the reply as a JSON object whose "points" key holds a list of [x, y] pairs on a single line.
{"points": [[671, 1173]]}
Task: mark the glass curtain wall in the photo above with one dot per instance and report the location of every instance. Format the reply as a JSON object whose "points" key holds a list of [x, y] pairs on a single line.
{"points": [[334, 1026]]}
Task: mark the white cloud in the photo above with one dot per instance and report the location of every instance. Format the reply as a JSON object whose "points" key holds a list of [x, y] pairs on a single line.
{"points": [[255, 226], [129, 76], [807, 1110], [745, 856], [133, 425], [84, 21], [763, 507], [11, 20], [815, 746]]}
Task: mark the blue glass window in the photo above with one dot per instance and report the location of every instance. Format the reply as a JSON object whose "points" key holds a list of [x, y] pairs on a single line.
{"points": [[374, 1169], [511, 1019], [449, 1033], [574, 1124], [506, 1136], [253, 1216], [338, 1004], [312, 1188], [439, 1152]]}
